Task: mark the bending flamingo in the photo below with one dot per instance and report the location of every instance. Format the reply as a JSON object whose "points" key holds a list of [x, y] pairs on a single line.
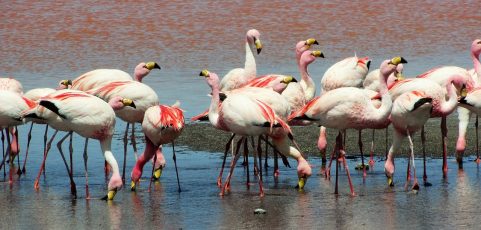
{"points": [[351, 108], [162, 124], [88, 116], [252, 113]]}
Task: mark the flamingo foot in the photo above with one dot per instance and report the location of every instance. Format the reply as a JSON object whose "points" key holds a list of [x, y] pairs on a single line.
{"points": [[36, 185], [73, 190], [219, 182], [276, 173], [478, 160], [371, 162], [415, 186]]}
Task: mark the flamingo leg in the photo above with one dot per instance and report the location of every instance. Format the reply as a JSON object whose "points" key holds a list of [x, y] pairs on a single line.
{"points": [[444, 132], [9, 152], [259, 151], [86, 170], [73, 188], [333, 156], [371, 153], [70, 149], [477, 141], [227, 146], [45, 142], [175, 163], [152, 174], [386, 150], [336, 150], [19, 172], [423, 141], [134, 143], [246, 157], [4, 155], [362, 154], [344, 161], [276, 165], [411, 147], [29, 137], [259, 177], [265, 159], [42, 166], [255, 157], [232, 166], [125, 155]]}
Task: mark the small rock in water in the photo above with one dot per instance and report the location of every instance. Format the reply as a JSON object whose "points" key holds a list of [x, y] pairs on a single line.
{"points": [[260, 211]]}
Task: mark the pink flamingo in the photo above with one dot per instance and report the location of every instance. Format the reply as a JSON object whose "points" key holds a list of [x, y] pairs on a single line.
{"points": [[88, 116], [266, 110], [351, 108], [349, 72], [441, 106], [162, 124], [371, 82], [240, 76], [35, 95], [463, 113], [410, 111], [144, 97], [444, 76], [10, 115]]}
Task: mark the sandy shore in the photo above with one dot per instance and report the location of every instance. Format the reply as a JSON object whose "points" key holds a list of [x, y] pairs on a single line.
{"points": [[203, 137]]}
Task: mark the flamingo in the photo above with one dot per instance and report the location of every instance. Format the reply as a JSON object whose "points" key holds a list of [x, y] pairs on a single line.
{"points": [[100, 77], [371, 82], [12, 85], [349, 72], [410, 111], [162, 124], [441, 106], [144, 97], [253, 112], [350, 107], [35, 95], [240, 76], [88, 116], [10, 115], [463, 113]]}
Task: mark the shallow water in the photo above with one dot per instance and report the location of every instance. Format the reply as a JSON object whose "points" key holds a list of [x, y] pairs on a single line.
{"points": [[44, 42]]}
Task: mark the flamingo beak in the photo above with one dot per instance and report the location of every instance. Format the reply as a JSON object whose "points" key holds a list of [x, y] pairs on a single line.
{"points": [[132, 186], [311, 41], [157, 173], [204, 73], [110, 195], [302, 182], [152, 65], [397, 60], [128, 102], [288, 79], [258, 45], [390, 181], [399, 76], [317, 53]]}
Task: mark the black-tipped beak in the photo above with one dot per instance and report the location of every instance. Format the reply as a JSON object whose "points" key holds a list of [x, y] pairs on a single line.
{"points": [[316, 43], [200, 74], [259, 50], [322, 55], [157, 66], [133, 105], [368, 64], [294, 80], [403, 60]]}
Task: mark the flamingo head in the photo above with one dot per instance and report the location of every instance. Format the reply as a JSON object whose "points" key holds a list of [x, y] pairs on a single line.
{"points": [[304, 171], [143, 69], [309, 56], [476, 47], [118, 102], [253, 37], [364, 63], [302, 46], [389, 66], [63, 84], [211, 78]]}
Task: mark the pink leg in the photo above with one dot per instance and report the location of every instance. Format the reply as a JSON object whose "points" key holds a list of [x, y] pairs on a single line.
{"points": [[227, 146], [411, 146], [477, 142], [371, 153], [87, 194], [29, 137], [423, 141], [333, 156], [232, 166], [444, 132], [362, 154], [42, 166], [106, 165]]}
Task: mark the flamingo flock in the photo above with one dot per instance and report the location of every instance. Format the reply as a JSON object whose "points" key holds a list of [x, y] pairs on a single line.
{"points": [[249, 107]]}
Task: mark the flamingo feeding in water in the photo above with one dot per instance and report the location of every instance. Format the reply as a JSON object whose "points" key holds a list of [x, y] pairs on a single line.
{"points": [[88, 116], [162, 124], [254, 112], [351, 108]]}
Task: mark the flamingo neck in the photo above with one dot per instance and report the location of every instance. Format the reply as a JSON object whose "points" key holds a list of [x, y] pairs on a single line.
{"points": [[214, 106], [306, 82], [448, 106], [105, 145], [383, 112], [250, 63], [477, 64], [383, 89], [149, 151]]}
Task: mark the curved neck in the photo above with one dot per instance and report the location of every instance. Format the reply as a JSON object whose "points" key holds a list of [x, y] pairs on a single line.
{"points": [[105, 145], [214, 106], [383, 89], [382, 113], [250, 63], [477, 65], [448, 106], [306, 82]]}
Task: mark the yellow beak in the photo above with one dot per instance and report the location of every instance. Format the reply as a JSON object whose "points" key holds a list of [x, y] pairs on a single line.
{"points": [[399, 76], [258, 46], [301, 183], [152, 65], [132, 186], [111, 194], [204, 73], [390, 181], [157, 173], [317, 53]]}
